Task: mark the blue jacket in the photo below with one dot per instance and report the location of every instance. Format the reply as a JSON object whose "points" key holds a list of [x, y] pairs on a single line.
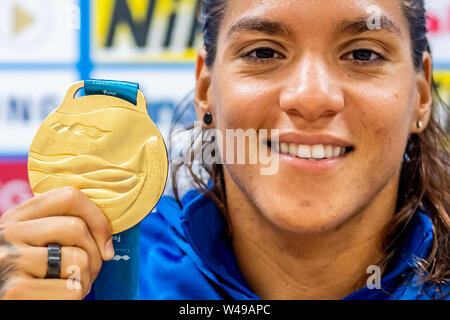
{"points": [[186, 254]]}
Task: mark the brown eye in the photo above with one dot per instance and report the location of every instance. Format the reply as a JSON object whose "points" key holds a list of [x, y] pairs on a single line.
{"points": [[263, 54], [364, 56]]}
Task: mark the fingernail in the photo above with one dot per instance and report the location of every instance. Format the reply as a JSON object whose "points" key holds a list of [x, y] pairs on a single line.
{"points": [[109, 249]]}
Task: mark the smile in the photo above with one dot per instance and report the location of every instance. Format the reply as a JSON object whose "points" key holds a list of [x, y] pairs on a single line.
{"points": [[314, 152]]}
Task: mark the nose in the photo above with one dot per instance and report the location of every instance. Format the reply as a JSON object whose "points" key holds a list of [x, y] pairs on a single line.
{"points": [[311, 91]]}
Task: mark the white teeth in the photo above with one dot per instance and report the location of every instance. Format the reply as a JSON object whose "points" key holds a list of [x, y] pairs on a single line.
{"points": [[304, 151], [328, 151], [318, 151], [336, 151], [293, 149], [284, 147]]}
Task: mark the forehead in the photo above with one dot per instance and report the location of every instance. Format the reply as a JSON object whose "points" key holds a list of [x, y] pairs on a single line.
{"points": [[316, 16]]}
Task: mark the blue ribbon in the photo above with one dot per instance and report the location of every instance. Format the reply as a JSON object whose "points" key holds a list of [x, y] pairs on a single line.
{"points": [[120, 89], [119, 278]]}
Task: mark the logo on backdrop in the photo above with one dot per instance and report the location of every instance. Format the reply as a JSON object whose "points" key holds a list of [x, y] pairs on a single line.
{"points": [[38, 31], [23, 23], [146, 30]]}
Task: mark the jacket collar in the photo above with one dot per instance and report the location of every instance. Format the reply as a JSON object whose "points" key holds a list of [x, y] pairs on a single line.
{"points": [[204, 229]]}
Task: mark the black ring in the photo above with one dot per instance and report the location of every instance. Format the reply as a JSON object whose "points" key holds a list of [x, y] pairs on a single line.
{"points": [[53, 261]]}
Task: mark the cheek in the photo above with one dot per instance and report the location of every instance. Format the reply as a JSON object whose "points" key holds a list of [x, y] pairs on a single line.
{"points": [[243, 104], [384, 124]]}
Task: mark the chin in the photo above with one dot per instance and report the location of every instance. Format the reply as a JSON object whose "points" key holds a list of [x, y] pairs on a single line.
{"points": [[305, 221]]}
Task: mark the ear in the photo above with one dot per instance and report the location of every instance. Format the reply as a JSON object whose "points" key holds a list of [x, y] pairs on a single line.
{"points": [[422, 110], [203, 82]]}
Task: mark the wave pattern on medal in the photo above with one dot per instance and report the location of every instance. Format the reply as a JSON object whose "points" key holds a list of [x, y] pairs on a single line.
{"points": [[90, 132], [111, 186], [96, 167]]}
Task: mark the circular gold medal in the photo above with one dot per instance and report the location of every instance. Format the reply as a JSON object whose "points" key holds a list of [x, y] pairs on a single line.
{"points": [[106, 147]]}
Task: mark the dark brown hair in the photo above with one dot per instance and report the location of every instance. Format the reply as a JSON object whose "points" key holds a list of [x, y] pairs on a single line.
{"points": [[425, 179]]}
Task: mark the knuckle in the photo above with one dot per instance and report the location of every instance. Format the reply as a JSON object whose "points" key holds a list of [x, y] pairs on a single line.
{"points": [[71, 195], [81, 259], [6, 217], [78, 227]]}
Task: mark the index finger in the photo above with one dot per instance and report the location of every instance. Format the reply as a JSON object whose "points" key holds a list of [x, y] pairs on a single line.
{"points": [[67, 201]]}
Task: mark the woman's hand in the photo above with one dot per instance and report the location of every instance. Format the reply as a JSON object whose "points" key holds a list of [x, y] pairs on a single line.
{"points": [[62, 216]]}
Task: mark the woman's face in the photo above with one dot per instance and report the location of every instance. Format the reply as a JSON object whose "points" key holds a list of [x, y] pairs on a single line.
{"points": [[330, 76]]}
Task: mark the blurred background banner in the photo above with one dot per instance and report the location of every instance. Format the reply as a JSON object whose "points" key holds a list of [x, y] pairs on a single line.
{"points": [[145, 30], [46, 45]]}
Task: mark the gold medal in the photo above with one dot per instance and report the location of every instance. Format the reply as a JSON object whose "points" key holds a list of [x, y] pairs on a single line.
{"points": [[105, 146]]}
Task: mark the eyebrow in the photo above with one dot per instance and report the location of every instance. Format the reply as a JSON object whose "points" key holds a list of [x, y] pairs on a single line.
{"points": [[361, 25], [272, 28]]}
